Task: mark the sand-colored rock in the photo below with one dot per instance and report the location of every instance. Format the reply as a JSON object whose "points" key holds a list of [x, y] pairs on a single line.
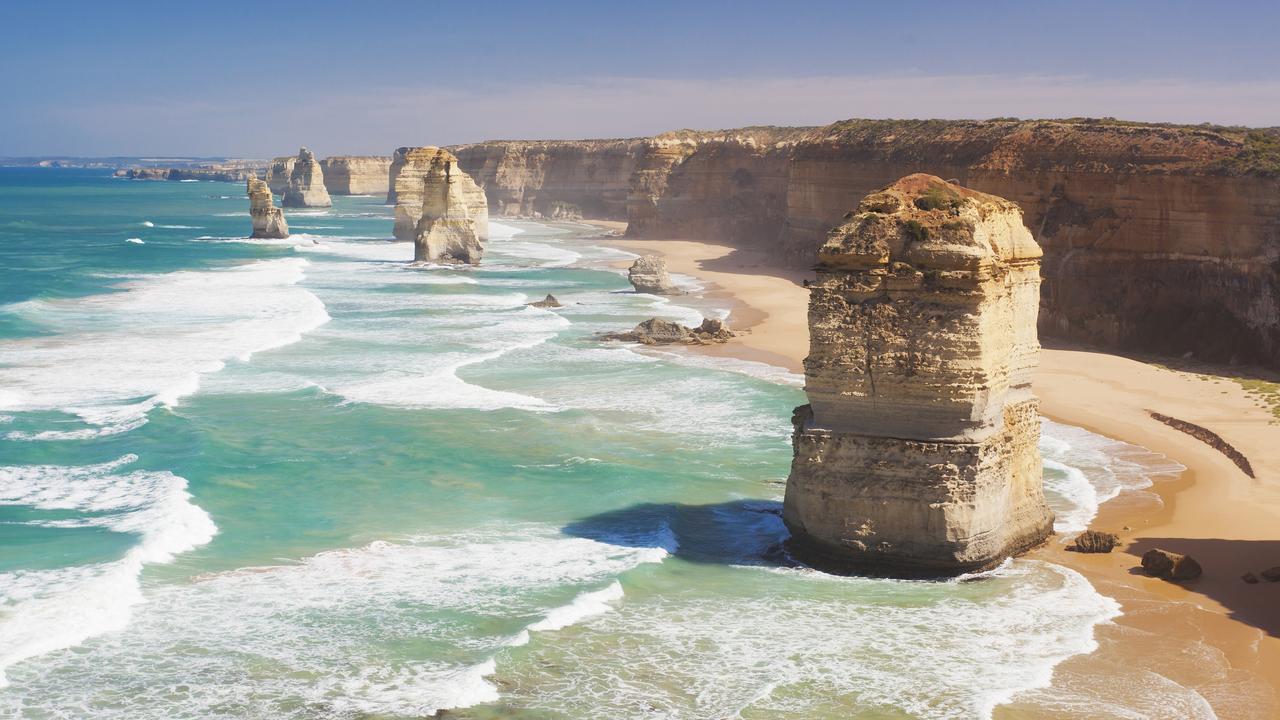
{"points": [[356, 174], [306, 183], [278, 173], [917, 453], [656, 331], [648, 274], [1094, 541], [268, 220], [414, 170], [547, 302]]}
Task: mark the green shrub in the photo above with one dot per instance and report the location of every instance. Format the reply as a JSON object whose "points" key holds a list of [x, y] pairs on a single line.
{"points": [[939, 197], [916, 231]]}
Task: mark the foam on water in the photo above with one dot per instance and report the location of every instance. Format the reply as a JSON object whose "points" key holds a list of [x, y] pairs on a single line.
{"points": [[113, 357], [45, 610], [135, 241]]}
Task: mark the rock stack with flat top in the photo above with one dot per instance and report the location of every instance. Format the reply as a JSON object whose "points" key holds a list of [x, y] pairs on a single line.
{"points": [[917, 453], [306, 183], [268, 220]]}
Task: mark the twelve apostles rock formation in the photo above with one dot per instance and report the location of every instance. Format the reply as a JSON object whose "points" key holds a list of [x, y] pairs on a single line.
{"points": [[419, 172], [1157, 238], [306, 183], [356, 175], [917, 453], [268, 220], [278, 172], [648, 274]]}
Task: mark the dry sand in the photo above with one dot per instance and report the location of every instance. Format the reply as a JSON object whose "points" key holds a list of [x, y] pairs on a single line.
{"points": [[1216, 636]]}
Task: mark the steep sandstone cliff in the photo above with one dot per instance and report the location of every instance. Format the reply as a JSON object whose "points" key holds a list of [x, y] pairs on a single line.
{"points": [[356, 175], [415, 172], [917, 454], [268, 220], [278, 173], [1156, 238], [306, 183]]}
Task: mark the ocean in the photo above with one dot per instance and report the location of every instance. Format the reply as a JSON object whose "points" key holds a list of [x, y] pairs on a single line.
{"points": [[300, 479]]}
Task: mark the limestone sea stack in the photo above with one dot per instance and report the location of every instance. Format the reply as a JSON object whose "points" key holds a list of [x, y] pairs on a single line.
{"points": [[278, 173], [306, 183], [356, 175], [268, 220], [917, 453], [414, 170], [649, 275]]}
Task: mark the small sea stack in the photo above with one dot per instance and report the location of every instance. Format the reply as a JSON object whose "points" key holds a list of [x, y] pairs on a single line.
{"points": [[306, 183], [268, 220], [917, 453], [416, 169], [648, 274]]}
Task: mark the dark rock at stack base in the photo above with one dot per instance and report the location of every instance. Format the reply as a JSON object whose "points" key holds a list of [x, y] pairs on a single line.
{"points": [[1170, 565], [656, 331], [1092, 541]]}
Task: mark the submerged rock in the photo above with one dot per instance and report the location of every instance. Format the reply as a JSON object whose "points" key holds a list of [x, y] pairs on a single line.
{"points": [[1092, 541], [268, 220], [649, 275], [917, 454], [549, 301], [1170, 565], [656, 331], [306, 183]]}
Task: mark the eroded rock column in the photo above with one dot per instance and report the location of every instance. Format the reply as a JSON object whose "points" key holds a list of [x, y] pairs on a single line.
{"points": [[917, 454], [268, 220], [415, 171], [306, 183]]}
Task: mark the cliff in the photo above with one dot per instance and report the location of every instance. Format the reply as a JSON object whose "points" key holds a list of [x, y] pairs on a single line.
{"points": [[415, 172], [278, 172], [218, 173], [1156, 238], [268, 220], [917, 453], [306, 183], [356, 175]]}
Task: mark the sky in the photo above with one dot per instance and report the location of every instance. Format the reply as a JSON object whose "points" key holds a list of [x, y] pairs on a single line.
{"points": [[258, 79]]}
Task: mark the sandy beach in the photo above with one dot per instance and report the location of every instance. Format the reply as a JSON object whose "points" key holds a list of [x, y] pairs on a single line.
{"points": [[1217, 638]]}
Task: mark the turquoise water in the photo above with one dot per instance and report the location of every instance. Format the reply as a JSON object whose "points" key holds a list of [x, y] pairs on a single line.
{"points": [[298, 479]]}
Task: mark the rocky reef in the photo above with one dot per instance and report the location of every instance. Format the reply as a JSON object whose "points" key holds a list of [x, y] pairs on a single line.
{"points": [[417, 172], [656, 331], [917, 454], [268, 220], [1156, 238], [306, 183], [356, 175], [278, 172], [648, 274]]}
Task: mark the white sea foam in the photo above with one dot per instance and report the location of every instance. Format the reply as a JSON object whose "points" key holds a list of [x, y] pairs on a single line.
{"points": [[189, 180], [584, 606], [182, 227], [148, 223], [45, 610], [135, 241], [113, 357]]}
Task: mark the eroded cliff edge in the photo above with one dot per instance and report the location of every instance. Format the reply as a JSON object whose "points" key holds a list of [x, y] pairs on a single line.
{"points": [[917, 454], [1156, 238], [356, 174]]}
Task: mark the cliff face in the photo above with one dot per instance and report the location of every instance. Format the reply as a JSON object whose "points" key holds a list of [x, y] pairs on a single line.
{"points": [[415, 174], [917, 454], [278, 173], [1156, 238], [306, 183], [268, 220], [356, 175]]}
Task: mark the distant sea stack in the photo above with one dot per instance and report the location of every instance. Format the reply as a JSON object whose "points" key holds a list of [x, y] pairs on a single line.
{"points": [[306, 183], [268, 220], [356, 175], [278, 173], [414, 170], [917, 454]]}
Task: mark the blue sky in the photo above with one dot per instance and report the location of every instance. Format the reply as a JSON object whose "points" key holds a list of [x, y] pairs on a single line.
{"points": [[261, 78]]}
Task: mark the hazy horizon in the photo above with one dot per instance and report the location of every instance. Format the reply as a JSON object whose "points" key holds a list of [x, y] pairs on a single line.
{"points": [[255, 81]]}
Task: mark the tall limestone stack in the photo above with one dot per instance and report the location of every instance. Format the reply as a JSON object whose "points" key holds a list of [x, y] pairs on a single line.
{"points": [[268, 220], [306, 183], [450, 205], [412, 172], [917, 454], [278, 173]]}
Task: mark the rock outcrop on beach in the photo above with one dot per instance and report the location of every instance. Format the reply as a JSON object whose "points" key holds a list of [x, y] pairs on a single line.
{"points": [[1170, 565], [278, 173], [268, 220], [917, 454], [1157, 238], [648, 274], [306, 183], [356, 175], [417, 171], [1094, 541], [656, 331]]}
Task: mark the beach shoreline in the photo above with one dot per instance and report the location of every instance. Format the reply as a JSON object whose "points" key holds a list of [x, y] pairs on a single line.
{"points": [[1212, 510]]}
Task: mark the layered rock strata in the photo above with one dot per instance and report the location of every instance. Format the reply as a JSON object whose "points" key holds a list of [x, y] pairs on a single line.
{"points": [[268, 220], [917, 454], [356, 175], [306, 183], [415, 171], [648, 274], [278, 172], [1157, 238]]}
